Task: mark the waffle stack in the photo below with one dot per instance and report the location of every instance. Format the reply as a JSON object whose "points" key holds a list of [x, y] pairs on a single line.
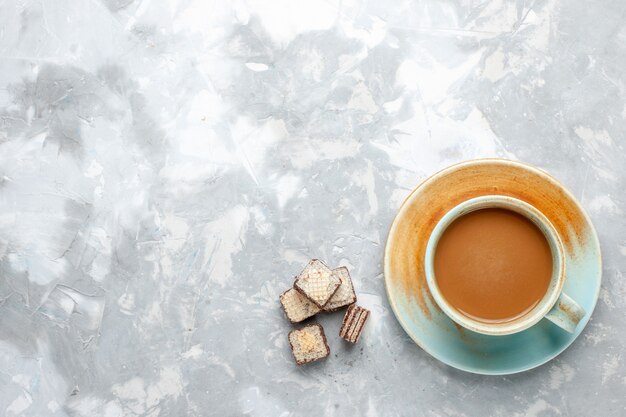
{"points": [[320, 289]]}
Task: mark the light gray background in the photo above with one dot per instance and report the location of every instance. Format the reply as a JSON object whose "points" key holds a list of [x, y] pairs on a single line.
{"points": [[167, 167]]}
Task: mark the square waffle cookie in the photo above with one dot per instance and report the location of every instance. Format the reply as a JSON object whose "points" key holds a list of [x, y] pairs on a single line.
{"points": [[308, 344], [345, 294], [296, 306], [353, 323], [317, 282]]}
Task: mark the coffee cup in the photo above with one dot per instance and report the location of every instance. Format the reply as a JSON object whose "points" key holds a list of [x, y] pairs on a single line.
{"points": [[554, 305]]}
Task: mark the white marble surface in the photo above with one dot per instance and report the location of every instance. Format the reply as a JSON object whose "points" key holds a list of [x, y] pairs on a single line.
{"points": [[166, 167]]}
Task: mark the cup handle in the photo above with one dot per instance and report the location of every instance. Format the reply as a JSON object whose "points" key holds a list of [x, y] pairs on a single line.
{"points": [[566, 313]]}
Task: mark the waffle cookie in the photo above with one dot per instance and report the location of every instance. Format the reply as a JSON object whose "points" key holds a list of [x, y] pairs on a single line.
{"points": [[345, 294], [308, 344], [317, 282], [296, 306], [353, 323]]}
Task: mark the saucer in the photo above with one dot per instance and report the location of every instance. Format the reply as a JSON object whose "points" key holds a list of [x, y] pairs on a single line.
{"points": [[410, 297]]}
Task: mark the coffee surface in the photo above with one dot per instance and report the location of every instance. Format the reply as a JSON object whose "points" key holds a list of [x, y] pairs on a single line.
{"points": [[493, 265]]}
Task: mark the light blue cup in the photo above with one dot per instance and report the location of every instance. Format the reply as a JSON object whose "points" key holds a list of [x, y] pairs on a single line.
{"points": [[555, 306]]}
